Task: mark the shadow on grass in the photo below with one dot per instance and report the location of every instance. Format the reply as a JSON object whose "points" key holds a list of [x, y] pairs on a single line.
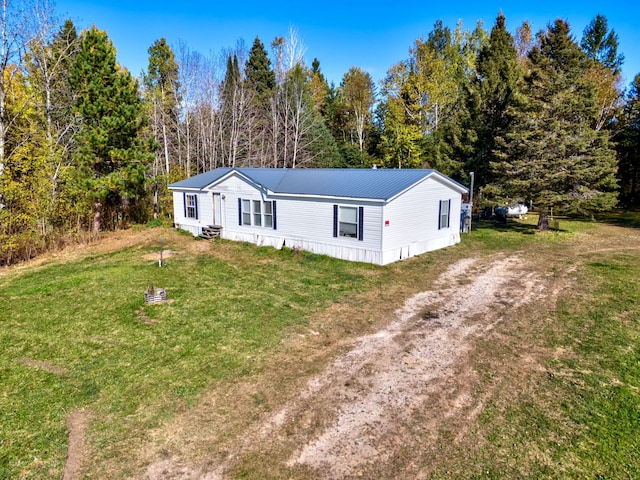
{"points": [[621, 218], [505, 226]]}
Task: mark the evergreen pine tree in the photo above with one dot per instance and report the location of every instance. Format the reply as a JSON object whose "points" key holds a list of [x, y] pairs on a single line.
{"points": [[601, 45], [551, 154], [161, 82], [628, 146], [111, 156], [258, 70], [498, 79]]}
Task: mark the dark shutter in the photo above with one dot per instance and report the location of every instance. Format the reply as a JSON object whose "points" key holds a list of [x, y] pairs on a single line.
{"points": [[440, 216], [195, 204], [335, 220], [275, 216], [361, 223], [239, 211], [448, 212], [184, 202]]}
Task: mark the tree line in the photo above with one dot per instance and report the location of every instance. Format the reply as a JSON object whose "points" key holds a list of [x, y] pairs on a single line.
{"points": [[86, 147]]}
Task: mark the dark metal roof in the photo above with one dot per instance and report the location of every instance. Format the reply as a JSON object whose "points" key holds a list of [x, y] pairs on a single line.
{"points": [[201, 181], [380, 184]]}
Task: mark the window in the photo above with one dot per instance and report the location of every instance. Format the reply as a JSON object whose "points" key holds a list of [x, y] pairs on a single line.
{"points": [[246, 212], [257, 213], [348, 221], [190, 205], [267, 215], [444, 214]]}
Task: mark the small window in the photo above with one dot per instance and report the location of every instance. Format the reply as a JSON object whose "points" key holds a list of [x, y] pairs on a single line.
{"points": [[267, 215], [246, 212], [348, 222], [257, 213], [191, 206], [444, 213]]}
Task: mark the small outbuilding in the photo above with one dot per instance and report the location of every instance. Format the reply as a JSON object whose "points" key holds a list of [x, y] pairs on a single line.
{"points": [[367, 215]]}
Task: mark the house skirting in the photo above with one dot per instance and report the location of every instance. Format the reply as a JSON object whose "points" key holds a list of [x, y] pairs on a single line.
{"points": [[342, 252]]}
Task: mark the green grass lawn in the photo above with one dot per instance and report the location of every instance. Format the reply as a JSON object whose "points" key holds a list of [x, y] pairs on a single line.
{"points": [[134, 366]]}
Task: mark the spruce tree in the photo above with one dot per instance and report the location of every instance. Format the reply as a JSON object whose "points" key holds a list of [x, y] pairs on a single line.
{"points": [[319, 87], [48, 65], [258, 70], [551, 155], [601, 44], [499, 77], [628, 146]]}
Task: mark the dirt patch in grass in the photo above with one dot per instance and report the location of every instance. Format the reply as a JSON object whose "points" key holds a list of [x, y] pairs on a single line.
{"points": [[77, 422], [156, 255], [43, 365]]}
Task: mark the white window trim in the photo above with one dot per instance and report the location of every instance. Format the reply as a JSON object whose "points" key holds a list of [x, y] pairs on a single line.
{"points": [[444, 219], [264, 219], [338, 231], [191, 208], [341, 231]]}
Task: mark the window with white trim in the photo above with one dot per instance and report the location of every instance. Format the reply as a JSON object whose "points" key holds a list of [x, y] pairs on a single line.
{"points": [[267, 214], [445, 207], [257, 213], [246, 212], [191, 206], [348, 221]]}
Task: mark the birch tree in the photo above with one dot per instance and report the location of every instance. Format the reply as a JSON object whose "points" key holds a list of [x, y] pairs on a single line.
{"points": [[359, 96], [49, 62], [162, 92], [17, 29]]}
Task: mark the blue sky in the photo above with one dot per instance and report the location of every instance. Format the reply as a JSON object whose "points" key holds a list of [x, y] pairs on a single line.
{"points": [[340, 34]]}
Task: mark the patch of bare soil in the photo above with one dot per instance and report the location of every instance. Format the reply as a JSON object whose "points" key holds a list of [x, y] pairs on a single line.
{"points": [[77, 422], [349, 419], [43, 365], [156, 255]]}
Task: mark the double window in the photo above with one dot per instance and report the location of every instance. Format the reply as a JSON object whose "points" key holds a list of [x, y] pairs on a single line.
{"points": [[445, 214], [257, 213], [348, 221], [191, 205]]}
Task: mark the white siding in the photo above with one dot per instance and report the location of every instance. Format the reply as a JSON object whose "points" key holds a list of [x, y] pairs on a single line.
{"points": [[307, 223], [300, 223], [205, 212], [414, 218]]}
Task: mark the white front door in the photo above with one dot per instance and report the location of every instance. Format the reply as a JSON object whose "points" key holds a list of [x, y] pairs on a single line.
{"points": [[217, 209]]}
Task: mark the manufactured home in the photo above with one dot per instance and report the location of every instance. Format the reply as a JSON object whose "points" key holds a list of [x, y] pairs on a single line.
{"points": [[367, 215]]}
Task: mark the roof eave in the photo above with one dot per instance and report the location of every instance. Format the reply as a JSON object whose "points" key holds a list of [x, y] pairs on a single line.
{"points": [[329, 197], [191, 189]]}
